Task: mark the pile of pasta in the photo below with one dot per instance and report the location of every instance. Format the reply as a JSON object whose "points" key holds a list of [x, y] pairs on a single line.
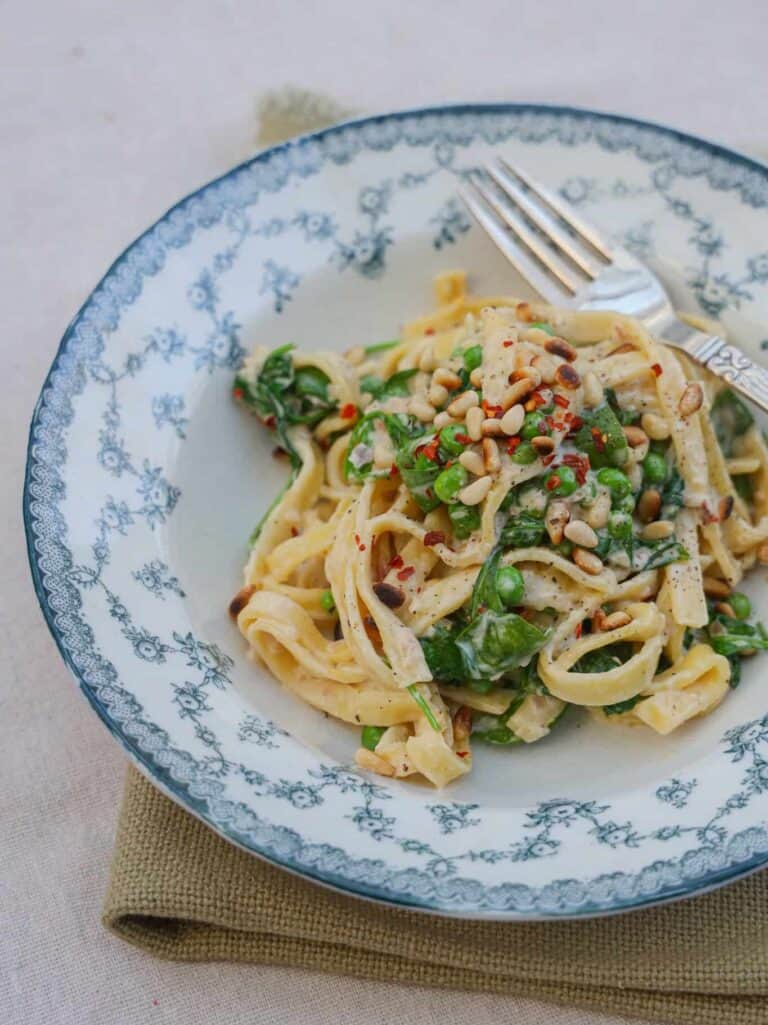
{"points": [[351, 575]]}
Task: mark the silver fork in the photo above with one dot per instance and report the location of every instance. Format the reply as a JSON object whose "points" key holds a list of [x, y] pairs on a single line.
{"points": [[570, 264]]}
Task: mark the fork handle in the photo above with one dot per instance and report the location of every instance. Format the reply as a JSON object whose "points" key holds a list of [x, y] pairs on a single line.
{"points": [[729, 363]]}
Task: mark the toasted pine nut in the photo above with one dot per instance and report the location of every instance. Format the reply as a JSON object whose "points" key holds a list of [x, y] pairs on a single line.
{"points": [[649, 505], [655, 426], [524, 312], [587, 561], [530, 373], [474, 493], [559, 347], [491, 428], [516, 392], [725, 609], [240, 600], [355, 355], [581, 534], [512, 420], [567, 377], [462, 723], [543, 444], [368, 760], [447, 378], [491, 456], [716, 588], [546, 366], [471, 460], [635, 475], [443, 420], [658, 530], [427, 360], [476, 377], [593, 390], [597, 514], [635, 436], [691, 399], [389, 595], [421, 409], [437, 394], [556, 517], [465, 401], [615, 620], [475, 417]]}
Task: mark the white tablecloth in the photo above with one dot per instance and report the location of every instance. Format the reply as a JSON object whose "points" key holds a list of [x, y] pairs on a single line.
{"points": [[109, 113]]}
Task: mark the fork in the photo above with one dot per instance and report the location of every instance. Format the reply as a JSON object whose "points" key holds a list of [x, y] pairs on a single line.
{"points": [[570, 264]]}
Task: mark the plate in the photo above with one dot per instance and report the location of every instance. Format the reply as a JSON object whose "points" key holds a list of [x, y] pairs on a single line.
{"points": [[144, 481]]}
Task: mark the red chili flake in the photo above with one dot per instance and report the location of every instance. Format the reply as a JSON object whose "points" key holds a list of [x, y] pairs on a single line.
{"points": [[393, 470], [537, 399], [434, 537], [657, 369], [577, 631], [463, 439], [508, 342], [430, 451], [357, 539], [546, 460], [512, 444], [551, 423], [405, 573], [237, 393], [294, 532], [490, 410], [397, 562], [579, 464], [462, 754], [271, 422], [598, 438], [552, 482], [349, 411], [561, 401], [429, 331]]}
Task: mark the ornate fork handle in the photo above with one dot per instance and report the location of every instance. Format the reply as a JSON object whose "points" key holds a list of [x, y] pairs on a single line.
{"points": [[730, 363]]}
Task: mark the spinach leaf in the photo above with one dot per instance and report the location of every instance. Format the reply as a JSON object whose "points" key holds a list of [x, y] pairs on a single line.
{"points": [[464, 519], [522, 530], [601, 437], [493, 729], [731, 418], [494, 643], [672, 495], [729, 637], [622, 706], [485, 594], [442, 654], [372, 350], [358, 465], [419, 474], [624, 416], [397, 384], [664, 552], [602, 660]]}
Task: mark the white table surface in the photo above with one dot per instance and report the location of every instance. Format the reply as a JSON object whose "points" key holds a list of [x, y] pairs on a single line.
{"points": [[108, 114]]}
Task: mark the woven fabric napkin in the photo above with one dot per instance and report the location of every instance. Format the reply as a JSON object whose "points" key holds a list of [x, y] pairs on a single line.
{"points": [[179, 891]]}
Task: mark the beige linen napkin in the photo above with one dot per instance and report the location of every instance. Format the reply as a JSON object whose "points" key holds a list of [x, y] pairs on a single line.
{"points": [[179, 891]]}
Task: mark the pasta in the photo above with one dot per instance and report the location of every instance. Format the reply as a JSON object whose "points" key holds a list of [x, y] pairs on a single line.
{"points": [[510, 511]]}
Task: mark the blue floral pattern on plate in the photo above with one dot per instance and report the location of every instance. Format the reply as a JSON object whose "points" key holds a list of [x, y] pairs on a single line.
{"points": [[117, 606]]}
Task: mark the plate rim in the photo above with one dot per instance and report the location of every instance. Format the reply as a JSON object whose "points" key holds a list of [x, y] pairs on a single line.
{"points": [[162, 778]]}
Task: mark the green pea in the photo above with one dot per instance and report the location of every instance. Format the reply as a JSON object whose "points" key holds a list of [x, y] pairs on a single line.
{"points": [[655, 468], [741, 605], [448, 440], [464, 519], [524, 454], [534, 425], [371, 735], [566, 481], [620, 526], [565, 548], [624, 505], [450, 482], [480, 686], [327, 602], [510, 585], [617, 482], [473, 358]]}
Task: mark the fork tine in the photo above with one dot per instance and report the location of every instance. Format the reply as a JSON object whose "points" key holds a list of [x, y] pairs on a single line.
{"points": [[546, 256], [564, 212], [542, 218], [500, 235]]}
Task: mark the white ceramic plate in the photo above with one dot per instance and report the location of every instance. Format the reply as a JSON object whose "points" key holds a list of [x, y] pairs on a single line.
{"points": [[144, 481]]}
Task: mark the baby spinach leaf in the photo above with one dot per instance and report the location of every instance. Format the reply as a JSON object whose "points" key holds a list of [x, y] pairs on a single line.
{"points": [[358, 465], [601, 437], [494, 643], [731, 418], [397, 384], [522, 530], [442, 654]]}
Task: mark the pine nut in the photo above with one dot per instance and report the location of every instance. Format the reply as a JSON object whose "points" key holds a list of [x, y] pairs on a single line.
{"points": [[581, 534], [465, 401], [524, 312], [587, 561], [476, 377], [474, 493], [526, 373], [725, 609], [559, 347], [437, 394], [491, 456], [635, 475], [567, 377], [597, 514], [615, 620], [546, 367], [421, 409], [658, 530], [512, 420], [655, 426], [593, 390], [447, 378], [491, 428], [443, 420], [635, 436], [716, 588], [543, 444], [427, 360], [517, 391], [475, 417], [389, 595], [691, 399], [240, 600], [355, 355], [555, 519], [472, 460], [369, 760], [649, 505], [462, 723]]}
